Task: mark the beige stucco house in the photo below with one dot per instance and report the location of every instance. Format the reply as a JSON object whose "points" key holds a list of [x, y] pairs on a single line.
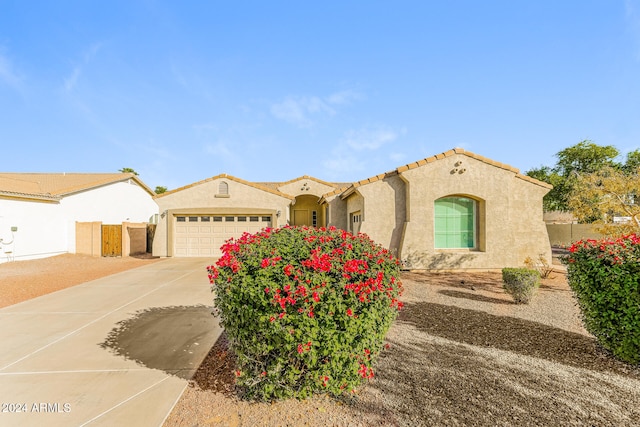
{"points": [[455, 210]]}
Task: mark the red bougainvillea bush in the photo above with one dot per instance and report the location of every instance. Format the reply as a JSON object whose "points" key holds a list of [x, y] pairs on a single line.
{"points": [[605, 277], [305, 309]]}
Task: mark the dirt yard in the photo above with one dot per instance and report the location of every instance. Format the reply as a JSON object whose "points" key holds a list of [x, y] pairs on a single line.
{"points": [[23, 280], [462, 353]]}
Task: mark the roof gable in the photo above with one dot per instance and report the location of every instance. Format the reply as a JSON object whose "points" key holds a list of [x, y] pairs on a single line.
{"points": [[257, 186], [346, 192]]}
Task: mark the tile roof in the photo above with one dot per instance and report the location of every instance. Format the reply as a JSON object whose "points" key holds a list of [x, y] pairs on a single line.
{"points": [[259, 186], [345, 192], [55, 186], [276, 185]]}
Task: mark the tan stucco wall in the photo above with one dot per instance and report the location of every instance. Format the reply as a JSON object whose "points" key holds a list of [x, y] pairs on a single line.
{"points": [[509, 210], [337, 212], [383, 207], [134, 239], [355, 204], [305, 185], [201, 198], [89, 238]]}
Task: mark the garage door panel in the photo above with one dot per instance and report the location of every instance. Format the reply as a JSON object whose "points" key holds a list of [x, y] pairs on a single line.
{"points": [[203, 235]]}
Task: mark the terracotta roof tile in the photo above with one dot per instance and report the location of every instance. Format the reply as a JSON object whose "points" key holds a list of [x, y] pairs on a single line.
{"points": [[232, 178], [435, 158]]}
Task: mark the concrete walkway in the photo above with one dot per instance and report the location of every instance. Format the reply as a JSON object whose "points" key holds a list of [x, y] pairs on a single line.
{"points": [[111, 352]]}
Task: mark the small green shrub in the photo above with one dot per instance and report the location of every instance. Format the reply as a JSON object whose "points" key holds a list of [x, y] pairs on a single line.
{"points": [[605, 278], [520, 283], [305, 309]]}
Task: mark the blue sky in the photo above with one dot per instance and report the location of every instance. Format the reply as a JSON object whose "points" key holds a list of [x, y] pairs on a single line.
{"points": [[340, 90]]}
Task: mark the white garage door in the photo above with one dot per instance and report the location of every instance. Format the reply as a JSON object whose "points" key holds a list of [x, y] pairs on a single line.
{"points": [[203, 235]]}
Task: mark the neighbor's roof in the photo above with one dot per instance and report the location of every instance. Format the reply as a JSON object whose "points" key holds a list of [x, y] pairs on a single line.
{"points": [[346, 192], [55, 186]]}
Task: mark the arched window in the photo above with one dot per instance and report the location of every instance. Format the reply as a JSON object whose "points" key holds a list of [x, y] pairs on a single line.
{"points": [[223, 188], [455, 223]]}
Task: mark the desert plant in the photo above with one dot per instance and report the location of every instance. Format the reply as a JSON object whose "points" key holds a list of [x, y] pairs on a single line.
{"points": [[305, 309], [605, 278], [541, 265], [520, 283]]}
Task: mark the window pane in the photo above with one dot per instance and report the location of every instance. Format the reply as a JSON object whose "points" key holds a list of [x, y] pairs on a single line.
{"points": [[454, 223]]}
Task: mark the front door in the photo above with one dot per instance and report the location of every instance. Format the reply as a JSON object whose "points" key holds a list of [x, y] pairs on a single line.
{"points": [[301, 217]]}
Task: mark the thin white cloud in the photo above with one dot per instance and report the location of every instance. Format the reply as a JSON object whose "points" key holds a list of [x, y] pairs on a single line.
{"points": [[8, 75], [343, 97], [342, 163], [369, 138], [71, 81], [300, 110], [220, 149], [360, 148]]}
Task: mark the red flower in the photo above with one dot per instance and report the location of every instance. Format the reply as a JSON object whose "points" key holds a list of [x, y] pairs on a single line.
{"points": [[288, 269], [349, 312]]}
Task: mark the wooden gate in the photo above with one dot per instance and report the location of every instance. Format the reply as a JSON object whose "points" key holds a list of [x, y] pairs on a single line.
{"points": [[111, 240]]}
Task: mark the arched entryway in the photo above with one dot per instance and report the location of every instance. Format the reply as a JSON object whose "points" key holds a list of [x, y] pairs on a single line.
{"points": [[307, 211]]}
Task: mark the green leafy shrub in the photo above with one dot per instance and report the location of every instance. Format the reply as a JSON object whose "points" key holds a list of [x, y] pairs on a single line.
{"points": [[305, 309], [520, 283], [605, 277]]}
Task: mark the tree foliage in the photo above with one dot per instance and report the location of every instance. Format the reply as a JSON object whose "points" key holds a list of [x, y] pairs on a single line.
{"points": [[600, 196], [575, 162], [160, 190], [128, 170]]}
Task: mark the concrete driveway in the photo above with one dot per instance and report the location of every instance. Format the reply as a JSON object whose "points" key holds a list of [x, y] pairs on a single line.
{"points": [[116, 351]]}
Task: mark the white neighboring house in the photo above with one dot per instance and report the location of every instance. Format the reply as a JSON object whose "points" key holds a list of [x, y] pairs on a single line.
{"points": [[39, 211]]}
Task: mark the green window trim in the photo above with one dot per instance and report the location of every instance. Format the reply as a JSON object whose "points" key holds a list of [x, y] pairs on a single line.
{"points": [[455, 223]]}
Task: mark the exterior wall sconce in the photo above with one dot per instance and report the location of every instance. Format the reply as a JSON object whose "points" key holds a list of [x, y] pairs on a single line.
{"points": [[278, 213]]}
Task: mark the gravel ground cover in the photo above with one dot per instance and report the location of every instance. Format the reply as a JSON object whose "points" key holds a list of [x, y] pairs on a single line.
{"points": [[461, 353]]}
